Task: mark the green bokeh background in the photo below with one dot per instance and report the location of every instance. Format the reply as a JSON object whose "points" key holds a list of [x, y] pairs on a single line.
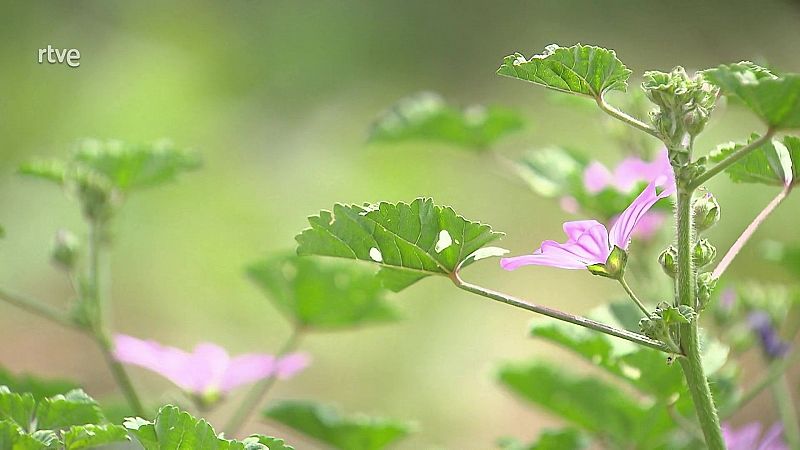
{"points": [[277, 96]]}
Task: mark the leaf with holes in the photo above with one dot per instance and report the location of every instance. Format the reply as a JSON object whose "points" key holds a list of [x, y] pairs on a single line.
{"points": [[775, 99], [325, 424], [426, 116], [776, 162], [324, 295], [579, 69], [412, 241]]}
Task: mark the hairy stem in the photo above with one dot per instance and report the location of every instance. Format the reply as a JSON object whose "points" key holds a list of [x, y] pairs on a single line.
{"points": [[624, 117], [787, 412], [260, 390], [748, 232], [727, 162], [689, 337], [560, 315], [37, 307], [633, 296]]}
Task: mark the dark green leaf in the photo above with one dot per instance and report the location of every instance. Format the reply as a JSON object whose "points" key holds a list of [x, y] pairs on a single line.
{"points": [[40, 388], [579, 69], [773, 98], [322, 294], [72, 408], [345, 433], [426, 116], [90, 436], [272, 443], [773, 163], [16, 408], [420, 238], [563, 439]]}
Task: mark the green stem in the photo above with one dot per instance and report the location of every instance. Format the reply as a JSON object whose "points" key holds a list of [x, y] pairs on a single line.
{"points": [[260, 390], [787, 412], [37, 307], [727, 162], [624, 117], [775, 371], [560, 315], [689, 339], [120, 375], [633, 296]]}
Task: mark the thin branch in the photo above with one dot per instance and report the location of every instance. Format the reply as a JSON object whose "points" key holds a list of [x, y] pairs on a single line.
{"points": [[560, 315], [775, 371], [37, 307], [749, 231], [624, 117], [727, 162], [633, 296], [787, 411]]}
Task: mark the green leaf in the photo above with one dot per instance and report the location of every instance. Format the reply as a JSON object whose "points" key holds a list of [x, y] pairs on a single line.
{"points": [[62, 411], [38, 387], [420, 238], [775, 99], [589, 403], [13, 437], [551, 172], [776, 162], [90, 436], [426, 116], [563, 439], [785, 255], [16, 408], [579, 69], [345, 433], [322, 294], [272, 443]]}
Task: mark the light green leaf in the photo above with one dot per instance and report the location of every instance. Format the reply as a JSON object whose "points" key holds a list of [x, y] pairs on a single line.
{"points": [[38, 387], [16, 408], [551, 172], [420, 238], [563, 439], [322, 294], [426, 116], [345, 433], [272, 443], [62, 411], [13, 437], [579, 69], [773, 98], [90, 436], [785, 255], [776, 162]]}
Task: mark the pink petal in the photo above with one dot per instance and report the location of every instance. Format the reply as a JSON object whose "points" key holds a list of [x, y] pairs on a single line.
{"points": [[745, 438], [206, 367], [622, 229], [574, 229], [289, 365], [630, 172], [596, 177], [587, 244], [538, 259], [166, 361], [569, 204], [773, 439], [246, 369], [648, 226]]}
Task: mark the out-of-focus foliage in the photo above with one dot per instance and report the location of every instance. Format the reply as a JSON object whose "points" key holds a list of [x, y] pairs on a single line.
{"points": [[38, 387], [564, 439]]}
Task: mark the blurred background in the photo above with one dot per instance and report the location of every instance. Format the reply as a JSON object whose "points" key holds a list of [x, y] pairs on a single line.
{"points": [[278, 96]]}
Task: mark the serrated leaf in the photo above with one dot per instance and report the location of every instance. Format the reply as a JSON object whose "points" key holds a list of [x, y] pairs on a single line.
{"points": [[62, 411], [345, 433], [563, 439], [773, 98], [579, 69], [776, 162], [322, 294], [272, 443], [38, 387], [13, 437], [90, 436], [426, 116], [419, 238], [16, 408]]}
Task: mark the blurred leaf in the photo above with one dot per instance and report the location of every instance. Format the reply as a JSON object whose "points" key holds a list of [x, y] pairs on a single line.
{"points": [[272, 443], [174, 429], [90, 436], [426, 116], [322, 294], [72, 408], [420, 238], [324, 423], [563, 439], [773, 98], [589, 403], [39, 388], [552, 172], [13, 437], [775, 163], [16, 408], [579, 69], [786, 255]]}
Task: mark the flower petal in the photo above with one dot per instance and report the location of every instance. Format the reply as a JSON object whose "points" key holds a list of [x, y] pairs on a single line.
{"points": [[289, 365], [247, 368], [206, 367], [166, 361], [596, 177], [620, 234]]}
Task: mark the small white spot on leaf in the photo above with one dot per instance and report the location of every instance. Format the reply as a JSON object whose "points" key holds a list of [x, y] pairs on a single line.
{"points": [[630, 372], [488, 252], [444, 241], [375, 254]]}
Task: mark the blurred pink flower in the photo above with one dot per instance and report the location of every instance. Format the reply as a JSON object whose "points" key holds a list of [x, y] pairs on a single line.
{"points": [[748, 437], [209, 368], [630, 172], [588, 241]]}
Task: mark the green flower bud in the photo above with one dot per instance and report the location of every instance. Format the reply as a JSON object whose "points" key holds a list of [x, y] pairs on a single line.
{"points": [[669, 261], [706, 212], [614, 266], [706, 284], [703, 253], [65, 250]]}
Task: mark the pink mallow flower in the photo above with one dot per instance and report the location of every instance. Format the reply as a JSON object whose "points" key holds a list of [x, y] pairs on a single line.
{"points": [[588, 241], [629, 173], [749, 437], [208, 370]]}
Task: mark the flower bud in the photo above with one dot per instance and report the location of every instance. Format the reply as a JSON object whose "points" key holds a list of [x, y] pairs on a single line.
{"points": [[706, 212], [614, 266], [669, 261], [704, 253], [65, 250], [705, 287]]}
